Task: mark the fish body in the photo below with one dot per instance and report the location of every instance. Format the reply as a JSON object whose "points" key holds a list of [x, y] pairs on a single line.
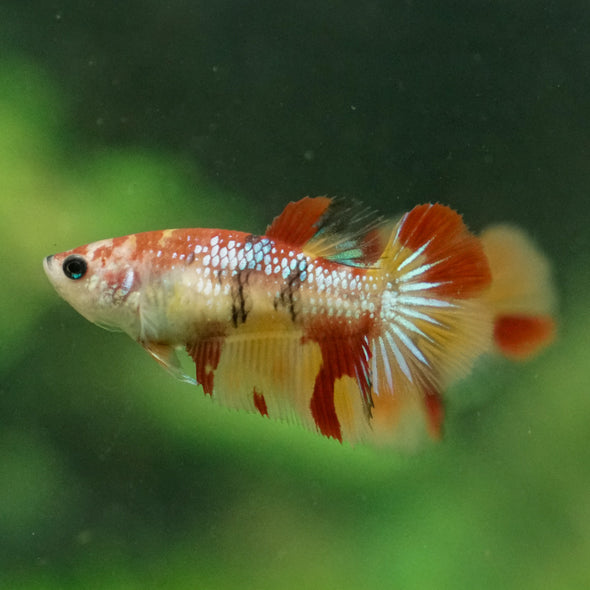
{"points": [[335, 317]]}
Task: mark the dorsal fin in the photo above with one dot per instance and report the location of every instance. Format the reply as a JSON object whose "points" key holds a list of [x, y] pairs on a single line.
{"points": [[335, 229], [298, 222]]}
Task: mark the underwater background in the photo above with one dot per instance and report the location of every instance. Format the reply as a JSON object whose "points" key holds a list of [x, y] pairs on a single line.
{"points": [[123, 117]]}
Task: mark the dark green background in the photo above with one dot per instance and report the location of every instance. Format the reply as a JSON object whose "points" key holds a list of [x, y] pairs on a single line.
{"points": [[117, 117]]}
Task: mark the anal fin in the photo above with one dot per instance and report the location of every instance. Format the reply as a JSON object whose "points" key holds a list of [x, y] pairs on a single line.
{"points": [[318, 380]]}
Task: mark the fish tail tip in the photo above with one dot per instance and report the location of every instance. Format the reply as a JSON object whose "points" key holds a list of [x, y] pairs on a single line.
{"points": [[522, 295], [520, 337]]}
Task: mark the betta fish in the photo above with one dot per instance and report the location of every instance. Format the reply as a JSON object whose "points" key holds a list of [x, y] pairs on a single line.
{"points": [[348, 323]]}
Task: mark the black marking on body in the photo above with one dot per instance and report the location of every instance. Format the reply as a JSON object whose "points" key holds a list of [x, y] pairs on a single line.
{"points": [[287, 297], [239, 297]]}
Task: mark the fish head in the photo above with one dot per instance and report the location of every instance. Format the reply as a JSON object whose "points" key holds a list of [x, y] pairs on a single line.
{"points": [[100, 281]]}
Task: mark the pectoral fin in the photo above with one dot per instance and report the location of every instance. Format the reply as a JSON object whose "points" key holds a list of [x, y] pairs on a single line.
{"points": [[167, 357]]}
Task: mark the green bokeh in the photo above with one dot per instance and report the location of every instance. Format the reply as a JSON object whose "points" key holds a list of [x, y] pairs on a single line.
{"points": [[113, 475]]}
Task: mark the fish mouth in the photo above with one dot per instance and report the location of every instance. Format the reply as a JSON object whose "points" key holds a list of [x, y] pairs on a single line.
{"points": [[47, 261]]}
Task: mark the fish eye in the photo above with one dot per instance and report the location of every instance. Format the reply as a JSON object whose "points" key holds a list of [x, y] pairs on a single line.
{"points": [[74, 267]]}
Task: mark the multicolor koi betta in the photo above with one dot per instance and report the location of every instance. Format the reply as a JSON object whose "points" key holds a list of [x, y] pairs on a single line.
{"points": [[336, 318]]}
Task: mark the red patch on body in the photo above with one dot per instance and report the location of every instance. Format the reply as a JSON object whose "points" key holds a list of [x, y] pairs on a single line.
{"points": [[146, 241], [81, 250], [105, 251], [459, 262], [520, 336], [206, 354], [345, 352], [259, 402]]}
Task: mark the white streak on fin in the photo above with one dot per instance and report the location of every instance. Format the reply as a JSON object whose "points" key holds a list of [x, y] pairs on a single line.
{"points": [[399, 357], [418, 315], [408, 325], [387, 368], [417, 271], [414, 254], [404, 287], [407, 342], [423, 301]]}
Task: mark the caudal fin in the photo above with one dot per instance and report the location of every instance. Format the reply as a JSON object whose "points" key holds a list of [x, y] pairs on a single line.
{"points": [[434, 323], [521, 296]]}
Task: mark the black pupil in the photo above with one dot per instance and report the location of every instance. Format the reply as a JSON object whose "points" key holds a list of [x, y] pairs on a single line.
{"points": [[74, 267]]}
